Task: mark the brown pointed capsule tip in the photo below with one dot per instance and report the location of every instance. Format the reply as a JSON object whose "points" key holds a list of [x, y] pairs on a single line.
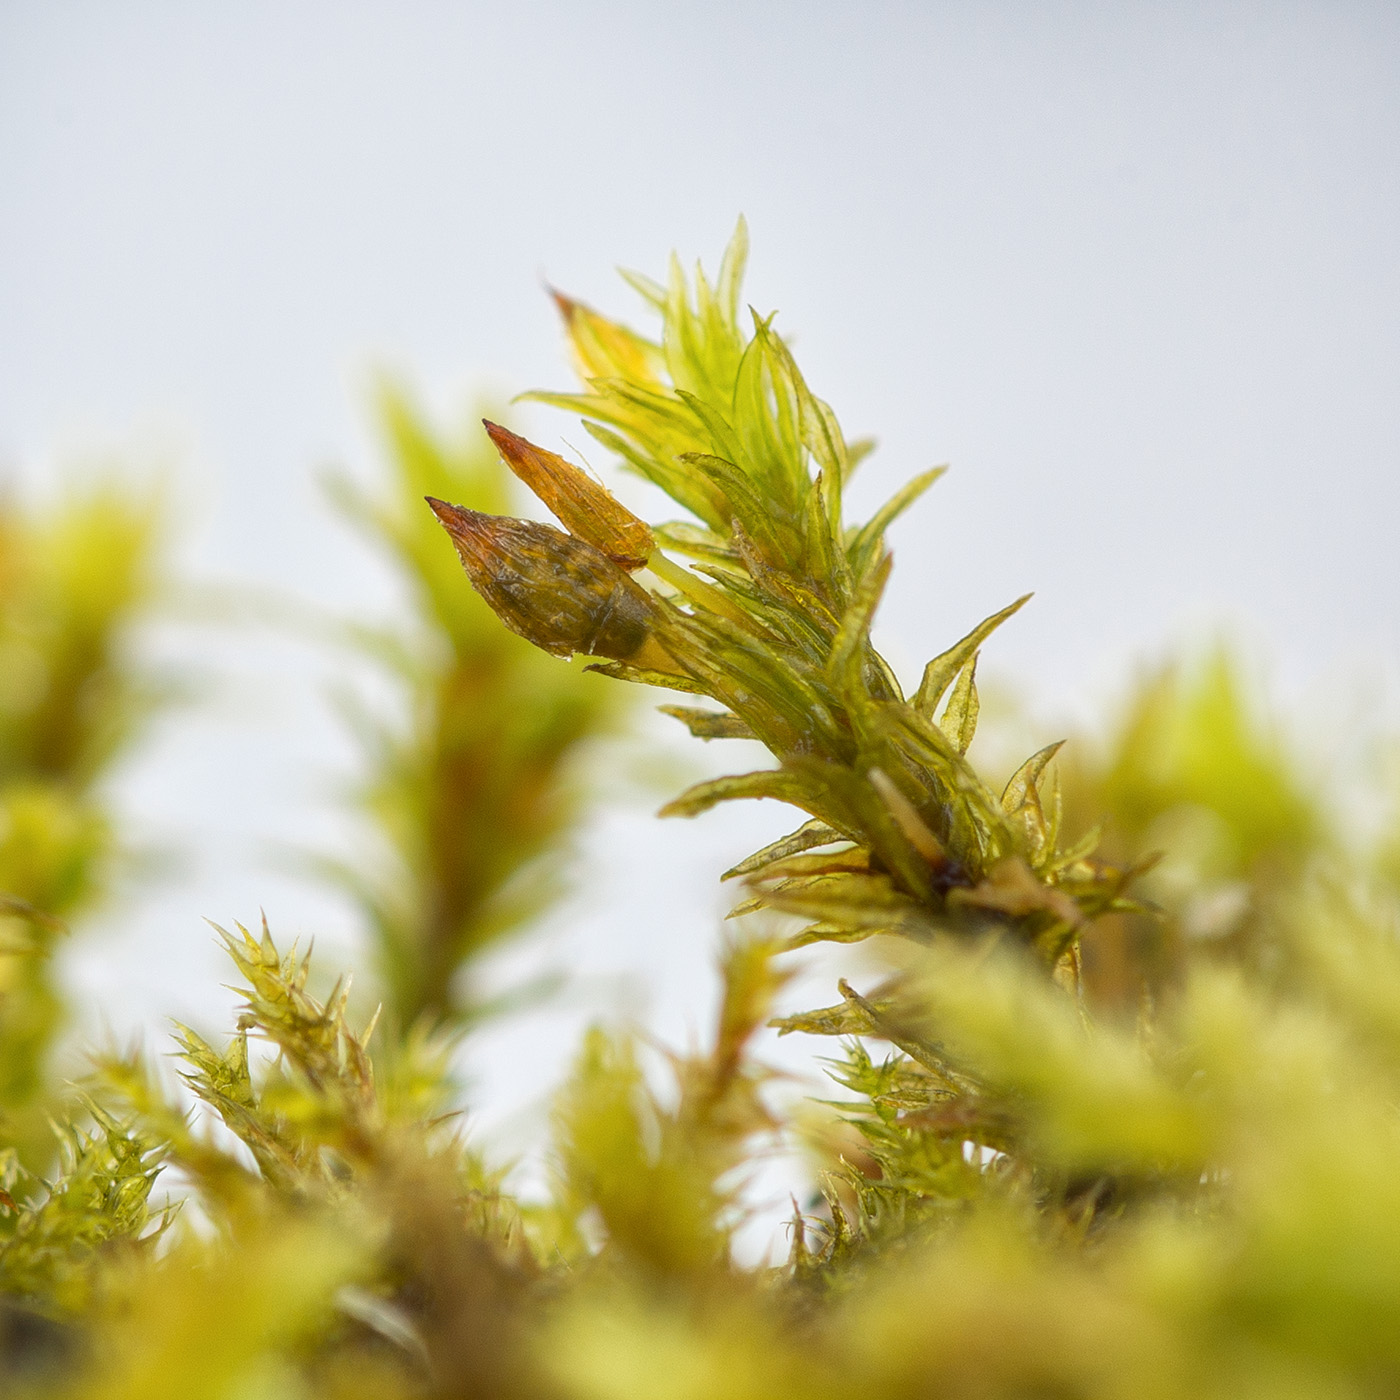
{"points": [[585, 509], [444, 510], [560, 593], [466, 527]]}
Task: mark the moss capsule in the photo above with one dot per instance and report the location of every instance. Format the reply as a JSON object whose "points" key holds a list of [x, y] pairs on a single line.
{"points": [[560, 593]]}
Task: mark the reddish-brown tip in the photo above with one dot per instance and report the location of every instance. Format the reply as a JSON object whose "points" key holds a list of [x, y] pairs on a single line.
{"points": [[470, 529], [504, 438], [566, 304], [455, 518]]}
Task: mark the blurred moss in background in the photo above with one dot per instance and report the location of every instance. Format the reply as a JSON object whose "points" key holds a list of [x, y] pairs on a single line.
{"points": [[76, 578], [469, 796], [1197, 773]]}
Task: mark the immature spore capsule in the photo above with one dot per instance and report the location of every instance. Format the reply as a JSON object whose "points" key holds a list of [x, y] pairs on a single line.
{"points": [[556, 591]]}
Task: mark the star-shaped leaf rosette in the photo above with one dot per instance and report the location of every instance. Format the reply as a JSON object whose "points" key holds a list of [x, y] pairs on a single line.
{"points": [[770, 617]]}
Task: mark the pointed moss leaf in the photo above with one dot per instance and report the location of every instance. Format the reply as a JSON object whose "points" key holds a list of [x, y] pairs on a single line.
{"points": [[939, 673], [731, 270], [665, 475], [863, 547], [744, 499], [632, 405], [603, 348], [817, 425], [853, 901], [640, 675], [959, 719], [908, 819], [1030, 819], [1056, 812], [649, 290], [857, 452], [726, 443], [848, 648], [709, 724], [846, 860], [769, 782], [850, 1018], [764, 409], [825, 932], [808, 835], [826, 431], [695, 542], [751, 905], [1081, 850], [583, 506], [1027, 776], [825, 557]]}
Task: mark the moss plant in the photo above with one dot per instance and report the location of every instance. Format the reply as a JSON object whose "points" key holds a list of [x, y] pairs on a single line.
{"points": [[471, 800], [74, 579], [1037, 1184], [773, 623]]}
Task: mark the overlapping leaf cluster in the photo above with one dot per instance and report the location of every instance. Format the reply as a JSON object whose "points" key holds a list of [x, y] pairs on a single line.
{"points": [[773, 622]]}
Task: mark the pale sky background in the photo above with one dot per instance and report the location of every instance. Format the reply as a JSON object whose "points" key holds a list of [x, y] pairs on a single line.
{"points": [[1132, 269]]}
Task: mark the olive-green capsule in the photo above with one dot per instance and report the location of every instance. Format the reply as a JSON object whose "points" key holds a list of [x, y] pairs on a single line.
{"points": [[556, 591]]}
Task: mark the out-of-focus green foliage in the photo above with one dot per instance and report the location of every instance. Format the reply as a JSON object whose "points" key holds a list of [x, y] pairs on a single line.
{"points": [[74, 578], [659, 1179], [346, 1240], [1021, 1191], [472, 796], [1195, 773], [1386, 857]]}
